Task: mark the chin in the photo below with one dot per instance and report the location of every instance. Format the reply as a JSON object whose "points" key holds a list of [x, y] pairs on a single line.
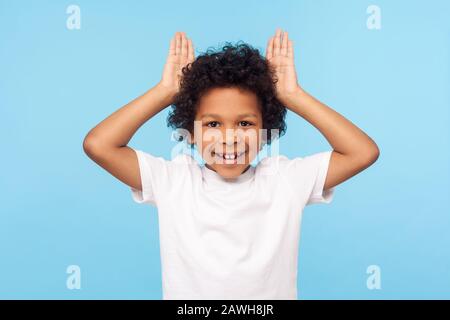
{"points": [[232, 169], [230, 172]]}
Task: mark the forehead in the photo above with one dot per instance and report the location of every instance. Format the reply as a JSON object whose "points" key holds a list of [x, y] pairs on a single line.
{"points": [[228, 101]]}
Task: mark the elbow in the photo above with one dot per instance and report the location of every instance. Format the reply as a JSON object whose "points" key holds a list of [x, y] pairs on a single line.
{"points": [[374, 152], [90, 146], [366, 155], [370, 154]]}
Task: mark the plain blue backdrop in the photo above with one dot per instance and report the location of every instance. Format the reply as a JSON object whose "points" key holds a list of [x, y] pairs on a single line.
{"points": [[58, 208]]}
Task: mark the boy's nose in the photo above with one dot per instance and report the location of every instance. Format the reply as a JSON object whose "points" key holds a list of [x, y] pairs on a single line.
{"points": [[231, 137]]}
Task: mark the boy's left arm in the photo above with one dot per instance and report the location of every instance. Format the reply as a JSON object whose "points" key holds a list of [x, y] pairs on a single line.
{"points": [[353, 150]]}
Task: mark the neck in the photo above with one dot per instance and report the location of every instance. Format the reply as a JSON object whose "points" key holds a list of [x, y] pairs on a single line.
{"points": [[207, 165]]}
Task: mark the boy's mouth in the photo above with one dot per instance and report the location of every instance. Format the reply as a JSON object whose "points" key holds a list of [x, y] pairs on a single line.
{"points": [[230, 158]]}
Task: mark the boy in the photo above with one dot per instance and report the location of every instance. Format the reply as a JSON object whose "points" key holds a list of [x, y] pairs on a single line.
{"points": [[230, 230]]}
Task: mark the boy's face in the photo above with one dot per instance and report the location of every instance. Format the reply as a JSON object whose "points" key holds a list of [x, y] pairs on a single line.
{"points": [[228, 122]]}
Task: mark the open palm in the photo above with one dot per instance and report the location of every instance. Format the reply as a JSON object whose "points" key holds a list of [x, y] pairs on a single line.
{"points": [[280, 55], [181, 53]]}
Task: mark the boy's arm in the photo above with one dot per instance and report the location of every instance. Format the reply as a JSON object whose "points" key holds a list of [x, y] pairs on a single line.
{"points": [[353, 150], [106, 143]]}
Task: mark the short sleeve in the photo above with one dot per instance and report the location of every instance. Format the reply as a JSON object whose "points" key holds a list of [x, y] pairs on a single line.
{"points": [[307, 176], [153, 173], [319, 164]]}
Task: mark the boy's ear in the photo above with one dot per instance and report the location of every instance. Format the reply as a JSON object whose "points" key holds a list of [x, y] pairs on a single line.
{"points": [[262, 143], [191, 140]]}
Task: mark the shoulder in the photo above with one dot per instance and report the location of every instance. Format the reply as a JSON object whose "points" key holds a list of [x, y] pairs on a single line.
{"points": [[272, 164], [183, 159], [276, 161], [282, 163], [161, 166], [180, 159]]}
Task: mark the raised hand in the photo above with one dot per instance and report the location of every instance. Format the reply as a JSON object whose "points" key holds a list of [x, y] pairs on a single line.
{"points": [[181, 53], [280, 55]]}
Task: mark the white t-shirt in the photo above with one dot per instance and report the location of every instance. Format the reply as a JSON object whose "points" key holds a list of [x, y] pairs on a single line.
{"points": [[231, 240]]}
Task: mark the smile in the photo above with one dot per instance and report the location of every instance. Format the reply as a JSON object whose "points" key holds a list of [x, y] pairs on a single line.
{"points": [[230, 158]]}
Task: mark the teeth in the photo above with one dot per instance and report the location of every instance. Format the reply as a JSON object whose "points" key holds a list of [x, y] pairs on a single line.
{"points": [[230, 156]]}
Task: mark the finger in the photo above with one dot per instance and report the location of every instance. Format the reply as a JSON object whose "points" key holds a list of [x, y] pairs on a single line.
{"points": [[191, 55], [290, 49], [276, 45], [284, 44], [183, 45], [178, 44], [172, 50], [269, 50]]}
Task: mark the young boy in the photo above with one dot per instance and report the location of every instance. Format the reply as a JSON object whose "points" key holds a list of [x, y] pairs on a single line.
{"points": [[228, 229]]}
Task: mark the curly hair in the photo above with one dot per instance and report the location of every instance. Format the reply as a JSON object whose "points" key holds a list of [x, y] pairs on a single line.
{"points": [[240, 66]]}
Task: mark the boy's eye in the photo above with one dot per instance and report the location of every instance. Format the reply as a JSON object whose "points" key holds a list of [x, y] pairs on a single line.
{"points": [[246, 123], [208, 124]]}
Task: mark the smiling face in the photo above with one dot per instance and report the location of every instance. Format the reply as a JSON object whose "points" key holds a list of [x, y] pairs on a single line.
{"points": [[227, 130]]}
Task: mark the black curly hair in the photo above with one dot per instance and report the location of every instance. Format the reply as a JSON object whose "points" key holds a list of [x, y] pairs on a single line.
{"points": [[240, 66]]}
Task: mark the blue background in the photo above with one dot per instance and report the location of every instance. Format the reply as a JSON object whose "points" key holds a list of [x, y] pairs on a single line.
{"points": [[58, 208]]}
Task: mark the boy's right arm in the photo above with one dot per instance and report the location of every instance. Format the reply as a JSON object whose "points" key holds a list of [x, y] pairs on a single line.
{"points": [[106, 143]]}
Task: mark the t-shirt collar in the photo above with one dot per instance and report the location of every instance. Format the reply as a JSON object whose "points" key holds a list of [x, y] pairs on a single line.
{"points": [[211, 175]]}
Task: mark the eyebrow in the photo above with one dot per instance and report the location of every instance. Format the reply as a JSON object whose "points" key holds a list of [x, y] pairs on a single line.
{"points": [[213, 115]]}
